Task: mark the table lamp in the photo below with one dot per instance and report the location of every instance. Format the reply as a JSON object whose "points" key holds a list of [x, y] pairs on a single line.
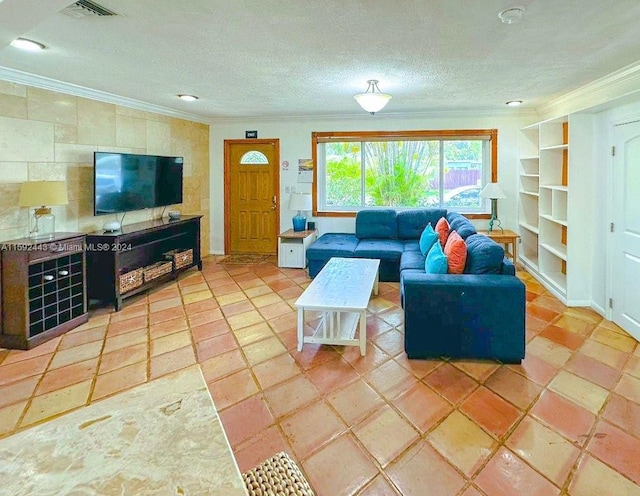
{"points": [[493, 192], [300, 202], [43, 193]]}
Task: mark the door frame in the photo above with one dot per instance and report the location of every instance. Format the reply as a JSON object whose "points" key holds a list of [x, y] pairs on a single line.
{"points": [[227, 185]]}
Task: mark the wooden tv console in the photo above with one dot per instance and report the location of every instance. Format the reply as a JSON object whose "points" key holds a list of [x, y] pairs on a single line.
{"points": [[111, 254]]}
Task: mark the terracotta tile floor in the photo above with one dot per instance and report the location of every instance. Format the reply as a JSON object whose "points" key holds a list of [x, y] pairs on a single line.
{"points": [[565, 421]]}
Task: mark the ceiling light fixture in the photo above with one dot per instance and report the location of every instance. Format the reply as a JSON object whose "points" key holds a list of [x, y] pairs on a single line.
{"points": [[512, 14], [29, 45], [373, 99], [188, 98], [514, 103]]}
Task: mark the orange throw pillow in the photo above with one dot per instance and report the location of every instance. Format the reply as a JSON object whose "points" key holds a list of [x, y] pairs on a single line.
{"points": [[442, 228], [456, 252]]}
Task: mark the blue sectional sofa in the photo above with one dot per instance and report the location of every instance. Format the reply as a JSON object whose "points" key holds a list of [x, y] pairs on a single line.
{"points": [[478, 314]]}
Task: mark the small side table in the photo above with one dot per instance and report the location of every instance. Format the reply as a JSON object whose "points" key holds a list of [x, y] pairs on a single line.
{"points": [[292, 248], [506, 238]]}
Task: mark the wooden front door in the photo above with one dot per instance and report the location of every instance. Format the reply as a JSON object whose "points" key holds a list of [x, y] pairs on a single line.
{"points": [[251, 178]]}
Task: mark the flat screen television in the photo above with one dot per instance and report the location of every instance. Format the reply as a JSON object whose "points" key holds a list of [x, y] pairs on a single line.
{"points": [[124, 181]]}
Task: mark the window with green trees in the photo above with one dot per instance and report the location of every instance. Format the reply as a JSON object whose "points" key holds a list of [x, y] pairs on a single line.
{"points": [[356, 170]]}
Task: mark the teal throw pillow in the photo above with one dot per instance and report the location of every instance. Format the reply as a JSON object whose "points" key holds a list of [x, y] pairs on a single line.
{"points": [[436, 261], [427, 238]]}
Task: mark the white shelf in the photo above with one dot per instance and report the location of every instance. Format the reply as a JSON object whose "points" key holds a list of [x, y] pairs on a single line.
{"points": [[555, 147], [552, 219], [559, 251], [556, 187], [529, 193], [530, 181], [529, 227]]}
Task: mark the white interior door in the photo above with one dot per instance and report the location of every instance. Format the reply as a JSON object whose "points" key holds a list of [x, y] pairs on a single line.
{"points": [[626, 239]]}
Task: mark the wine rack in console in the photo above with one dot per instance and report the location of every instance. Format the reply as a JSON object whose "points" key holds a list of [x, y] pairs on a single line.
{"points": [[126, 262], [43, 289]]}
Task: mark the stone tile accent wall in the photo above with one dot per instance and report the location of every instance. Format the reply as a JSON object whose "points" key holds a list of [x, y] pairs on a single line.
{"points": [[46, 135]]}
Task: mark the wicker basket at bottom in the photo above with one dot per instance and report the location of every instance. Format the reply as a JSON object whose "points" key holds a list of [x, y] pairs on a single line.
{"points": [[181, 258], [130, 280], [151, 272], [277, 476]]}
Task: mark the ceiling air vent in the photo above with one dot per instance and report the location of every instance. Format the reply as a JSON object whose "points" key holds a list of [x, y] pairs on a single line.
{"points": [[86, 8]]}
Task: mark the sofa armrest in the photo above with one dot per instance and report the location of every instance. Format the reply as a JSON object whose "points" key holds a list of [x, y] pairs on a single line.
{"points": [[464, 316], [508, 268]]}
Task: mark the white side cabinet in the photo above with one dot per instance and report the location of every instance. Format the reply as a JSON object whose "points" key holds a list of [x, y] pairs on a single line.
{"points": [[292, 248]]}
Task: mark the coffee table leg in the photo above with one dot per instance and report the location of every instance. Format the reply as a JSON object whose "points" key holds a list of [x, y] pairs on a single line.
{"points": [[363, 332], [300, 328], [375, 284]]}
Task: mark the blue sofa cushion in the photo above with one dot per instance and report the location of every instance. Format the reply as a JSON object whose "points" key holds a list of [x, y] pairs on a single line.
{"points": [[411, 223], [484, 256], [332, 245], [412, 260], [436, 261], [377, 224], [460, 224], [382, 249], [411, 245]]}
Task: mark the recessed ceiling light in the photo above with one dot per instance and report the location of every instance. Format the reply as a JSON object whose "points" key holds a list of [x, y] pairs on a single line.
{"points": [[512, 14], [25, 44], [514, 103], [188, 98]]}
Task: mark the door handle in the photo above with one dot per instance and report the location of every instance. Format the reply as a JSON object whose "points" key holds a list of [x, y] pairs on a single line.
{"points": [[274, 201]]}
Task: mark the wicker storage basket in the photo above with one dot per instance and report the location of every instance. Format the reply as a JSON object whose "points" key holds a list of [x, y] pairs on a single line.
{"points": [[129, 280], [277, 476], [181, 258], [153, 271]]}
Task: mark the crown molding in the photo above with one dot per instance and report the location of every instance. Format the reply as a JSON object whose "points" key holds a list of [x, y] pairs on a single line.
{"points": [[595, 95], [433, 114], [20, 77]]}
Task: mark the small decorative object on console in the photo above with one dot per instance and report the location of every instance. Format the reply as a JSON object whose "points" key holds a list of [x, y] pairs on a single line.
{"points": [[300, 202], [174, 214], [111, 226]]}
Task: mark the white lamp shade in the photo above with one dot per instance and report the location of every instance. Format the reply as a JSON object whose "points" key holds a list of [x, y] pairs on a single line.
{"points": [[43, 193], [372, 102], [493, 191], [300, 201], [373, 99]]}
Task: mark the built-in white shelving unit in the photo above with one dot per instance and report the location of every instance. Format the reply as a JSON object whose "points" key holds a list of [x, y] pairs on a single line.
{"points": [[529, 194], [555, 170]]}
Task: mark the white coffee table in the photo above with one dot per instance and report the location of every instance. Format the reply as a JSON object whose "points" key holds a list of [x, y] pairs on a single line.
{"points": [[341, 292]]}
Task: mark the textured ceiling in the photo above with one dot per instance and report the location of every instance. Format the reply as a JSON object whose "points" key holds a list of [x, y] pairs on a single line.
{"points": [[250, 58]]}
